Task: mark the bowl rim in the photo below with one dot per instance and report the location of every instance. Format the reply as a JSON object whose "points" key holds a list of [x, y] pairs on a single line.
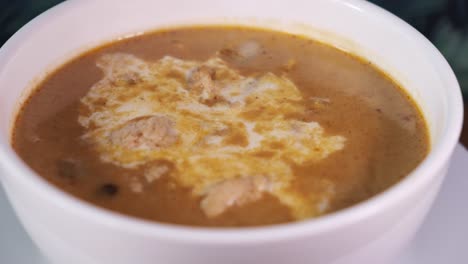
{"points": [[435, 161]]}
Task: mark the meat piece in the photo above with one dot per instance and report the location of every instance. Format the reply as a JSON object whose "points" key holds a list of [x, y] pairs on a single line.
{"points": [[201, 83], [123, 67], [155, 172], [147, 133], [233, 192], [250, 49], [243, 52]]}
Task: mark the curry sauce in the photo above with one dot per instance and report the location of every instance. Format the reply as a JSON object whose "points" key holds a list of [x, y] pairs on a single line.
{"points": [[220, 126]]}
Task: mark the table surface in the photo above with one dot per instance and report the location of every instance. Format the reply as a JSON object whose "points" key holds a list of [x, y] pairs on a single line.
{"points": [[464, 136]]}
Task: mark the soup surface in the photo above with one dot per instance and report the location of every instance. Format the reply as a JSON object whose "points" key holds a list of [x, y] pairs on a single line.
{"points": [[220, 126]]}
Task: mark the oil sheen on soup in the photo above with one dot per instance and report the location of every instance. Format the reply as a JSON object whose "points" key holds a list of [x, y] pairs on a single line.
{"points": [[220, 126]]}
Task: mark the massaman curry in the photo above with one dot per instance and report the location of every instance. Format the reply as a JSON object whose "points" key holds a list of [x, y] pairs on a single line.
{"points": [[220, 126]]}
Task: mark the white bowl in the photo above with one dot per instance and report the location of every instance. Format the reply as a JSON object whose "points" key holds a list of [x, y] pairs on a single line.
{"points": [[71, 231]]}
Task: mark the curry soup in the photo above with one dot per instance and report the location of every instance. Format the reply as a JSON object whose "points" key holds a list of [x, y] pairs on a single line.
{"points": [[220, 126]]}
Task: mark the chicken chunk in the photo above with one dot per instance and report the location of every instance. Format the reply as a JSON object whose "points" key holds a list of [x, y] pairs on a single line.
{"points": [[155, 172], [121, 67], [234, 192], [201, 82], [250, 49], [145, 133]]}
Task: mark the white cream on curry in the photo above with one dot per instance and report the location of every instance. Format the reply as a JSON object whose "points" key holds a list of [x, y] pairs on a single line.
{"points": [[230, 137]]}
